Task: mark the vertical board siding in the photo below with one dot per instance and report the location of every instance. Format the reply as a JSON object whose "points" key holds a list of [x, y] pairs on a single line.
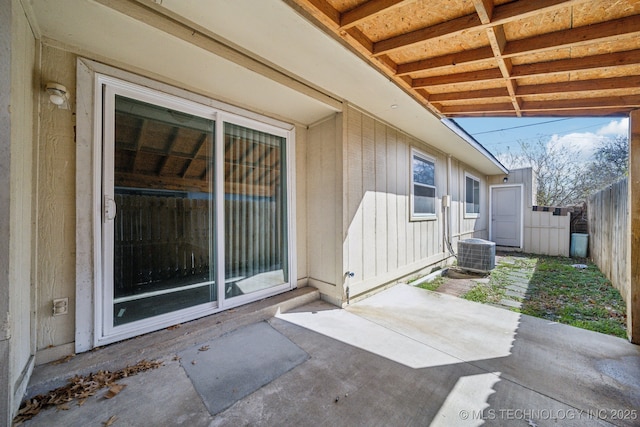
{"points": [[382, 262], [354, 193], [392, 200], [383, 243], [609, 234], [322, 222], [368, 198], [403, 170]]}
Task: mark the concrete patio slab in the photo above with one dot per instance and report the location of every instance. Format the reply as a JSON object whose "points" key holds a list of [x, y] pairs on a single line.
{"points": [[235, 365], [405, 356]]}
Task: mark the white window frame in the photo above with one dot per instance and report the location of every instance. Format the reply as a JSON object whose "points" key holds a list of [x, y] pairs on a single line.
{"points": [[472, 214], [93, 327], [423, 216]]}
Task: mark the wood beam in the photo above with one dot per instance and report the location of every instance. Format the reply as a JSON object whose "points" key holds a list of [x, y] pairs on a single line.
{"points": [[606, 60], [603, 112], [469, 95], [446, 61], [484, 9], [367, 10], [443, 29], [472, 76], [501, 108], [501, 15], [633, 257], [588, 34], [327, 11], [594, 85], [629, 101], [498, 40], [625, 27], [518, 10]]}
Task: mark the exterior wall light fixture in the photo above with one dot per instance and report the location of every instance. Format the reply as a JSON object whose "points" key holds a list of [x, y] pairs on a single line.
{"points": [[58, 94]]}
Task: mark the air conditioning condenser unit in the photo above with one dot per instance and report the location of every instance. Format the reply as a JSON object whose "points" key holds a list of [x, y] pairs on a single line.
{"points": [[476, 255]]}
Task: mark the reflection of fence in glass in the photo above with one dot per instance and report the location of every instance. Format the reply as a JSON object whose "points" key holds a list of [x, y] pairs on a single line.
{"points": [[163, 242], [254, 210], [252, 237], [160, 243]]}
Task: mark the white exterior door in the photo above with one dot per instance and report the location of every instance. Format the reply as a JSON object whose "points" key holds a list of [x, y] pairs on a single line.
{"points": [[506, 215]]}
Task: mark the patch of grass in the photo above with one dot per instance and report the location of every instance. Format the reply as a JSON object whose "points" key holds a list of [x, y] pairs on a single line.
{"points": [[495, 290], [559, 292], [433, 284], [579, 297]]}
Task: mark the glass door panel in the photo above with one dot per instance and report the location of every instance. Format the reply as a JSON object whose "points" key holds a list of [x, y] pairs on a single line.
{"points": [[255, 238], [163, 237]]}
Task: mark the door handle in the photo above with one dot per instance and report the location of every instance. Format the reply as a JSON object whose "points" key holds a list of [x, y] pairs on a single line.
{"points": [[110, 209]]}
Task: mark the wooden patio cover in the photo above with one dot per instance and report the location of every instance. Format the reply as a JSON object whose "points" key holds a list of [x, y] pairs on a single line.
{"points": [[473, 58]]}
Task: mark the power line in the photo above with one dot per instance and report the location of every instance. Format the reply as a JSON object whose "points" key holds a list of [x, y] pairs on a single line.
{"points": [[522, 126], [547, 135]]}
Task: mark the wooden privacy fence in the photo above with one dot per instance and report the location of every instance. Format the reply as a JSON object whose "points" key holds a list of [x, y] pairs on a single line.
{"points": [[609, 233], [165, 242]]}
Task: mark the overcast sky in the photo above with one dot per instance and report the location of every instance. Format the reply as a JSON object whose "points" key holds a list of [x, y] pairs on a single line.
{"points": [[578, 134]]}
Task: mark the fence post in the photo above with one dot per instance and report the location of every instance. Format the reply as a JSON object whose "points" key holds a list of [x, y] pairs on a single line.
{"points": [[633, 256]]}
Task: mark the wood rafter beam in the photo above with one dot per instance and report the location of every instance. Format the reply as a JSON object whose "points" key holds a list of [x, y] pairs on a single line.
{"points": [[469, 95], [613, 103], [608, 60], [580, 36], [594, 85], [561, 39], [498, 41], [480, 54], [484, 9], [502, 107], [549, 113], [366, 11], [628, 101], [501, 15], [471, 76]]}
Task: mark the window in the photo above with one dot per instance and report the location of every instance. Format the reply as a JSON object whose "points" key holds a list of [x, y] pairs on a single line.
{"points": [[472, 196], [423, 186]]}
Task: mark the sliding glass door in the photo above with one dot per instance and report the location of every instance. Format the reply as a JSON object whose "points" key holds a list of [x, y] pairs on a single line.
{"points": [[255, 211], [163, 190], [194, 210]]}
